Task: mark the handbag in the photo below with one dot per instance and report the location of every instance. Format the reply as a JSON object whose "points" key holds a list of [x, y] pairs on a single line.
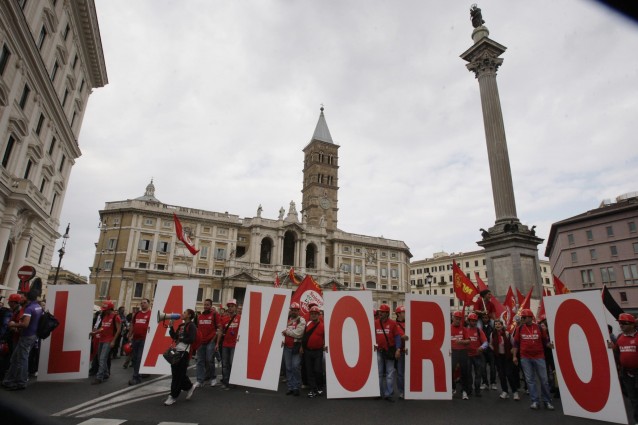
{"points": [[173, 356]]}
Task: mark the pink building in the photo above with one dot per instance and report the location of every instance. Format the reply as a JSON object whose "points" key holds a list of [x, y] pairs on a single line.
{"points": [[599, 247]]}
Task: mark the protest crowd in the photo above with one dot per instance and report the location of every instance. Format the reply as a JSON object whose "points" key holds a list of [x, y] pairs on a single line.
{"points": [[489, 357]]}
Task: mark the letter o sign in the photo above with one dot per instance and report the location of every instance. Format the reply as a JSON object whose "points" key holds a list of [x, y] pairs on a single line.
{"points": [[593, 395]]}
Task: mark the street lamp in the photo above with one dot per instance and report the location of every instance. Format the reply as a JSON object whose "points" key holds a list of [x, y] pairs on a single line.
{"points": [[428, 280], [61, 252]]}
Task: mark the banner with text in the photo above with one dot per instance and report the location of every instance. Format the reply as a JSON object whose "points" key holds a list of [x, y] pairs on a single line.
{"points": [[585, 366], [351, 362], [259, 349], [171, 296], [428, 371], [65, 354]]}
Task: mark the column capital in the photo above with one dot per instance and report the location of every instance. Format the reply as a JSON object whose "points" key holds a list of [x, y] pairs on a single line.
{"points": [[483, 56]]}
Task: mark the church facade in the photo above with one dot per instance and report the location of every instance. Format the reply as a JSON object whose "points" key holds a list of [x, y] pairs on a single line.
{"points": [[138, 246]]}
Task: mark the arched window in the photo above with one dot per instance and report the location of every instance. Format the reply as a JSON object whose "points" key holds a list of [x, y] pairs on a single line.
{"points": [[265, 254], [289, 248], [311, 254], [371, 285]]}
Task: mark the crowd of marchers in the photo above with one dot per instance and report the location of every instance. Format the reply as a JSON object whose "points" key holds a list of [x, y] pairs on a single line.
{"points": [[483, 349]]}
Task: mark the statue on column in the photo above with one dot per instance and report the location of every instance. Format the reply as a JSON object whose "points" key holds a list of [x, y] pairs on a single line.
{"points": [[281, 213], [476, 16], [259, 210], [293, 208]]}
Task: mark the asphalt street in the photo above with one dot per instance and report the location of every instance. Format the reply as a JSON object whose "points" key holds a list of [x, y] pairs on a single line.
{"points": [[78, 402]]}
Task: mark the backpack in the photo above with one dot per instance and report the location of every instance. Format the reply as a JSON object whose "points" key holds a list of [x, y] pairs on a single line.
{"points": [[46, 325]]}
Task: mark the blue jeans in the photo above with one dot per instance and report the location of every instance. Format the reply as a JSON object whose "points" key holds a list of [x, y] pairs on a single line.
{"points": [[477, 366], [18, 372], [401, 373], [292, 361], [136, 354], [206, 362], [386, 367], [103, 351], [227, 363], [532, 368]]}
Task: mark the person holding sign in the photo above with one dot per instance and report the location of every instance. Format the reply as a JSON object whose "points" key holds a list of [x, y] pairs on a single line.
{"points": [[531, 341], [292, 344], [627, 347], [388, 348], [312, 347], [230, 329], [184, 336], [460, 342]]}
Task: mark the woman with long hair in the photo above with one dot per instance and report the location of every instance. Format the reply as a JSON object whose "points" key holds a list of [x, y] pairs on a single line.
{"points": [[184, 336]]}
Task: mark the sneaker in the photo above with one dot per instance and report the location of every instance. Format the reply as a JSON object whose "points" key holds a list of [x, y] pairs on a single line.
{"points": [[401, 397], [534, 406], [197, 385], [453, 392], [504, 395], [213, 382], [320, 391], [190, 392], [225, 387], [549, 406], [96, 381], [389, 398], [465, 396], [289, 392], [170, 400], [516, 396], [312, 394], [484, 387], [134, 381], [494, 387]]}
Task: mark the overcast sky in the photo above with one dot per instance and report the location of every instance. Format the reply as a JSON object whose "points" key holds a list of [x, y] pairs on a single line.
{"points": [[215, 101]]}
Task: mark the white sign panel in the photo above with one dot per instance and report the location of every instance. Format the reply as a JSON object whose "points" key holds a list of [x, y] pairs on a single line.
{"points": [[351, 362], [171, 296], [258, 353], [65, 354], [428, 373], [585, 366]]}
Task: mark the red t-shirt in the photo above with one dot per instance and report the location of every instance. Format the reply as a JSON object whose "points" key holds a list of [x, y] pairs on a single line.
{"points": [[292, 325], [108, 328], [317, 338], [390, 329], [458, 333], [208, 323], [140, 324], [230, 338], [628, 351], [531, 341], [477, 338]]}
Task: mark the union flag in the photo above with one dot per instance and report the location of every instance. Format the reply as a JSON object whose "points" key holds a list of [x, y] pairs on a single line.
{"points": [[559, 287], [463, 286], [186, 240]]}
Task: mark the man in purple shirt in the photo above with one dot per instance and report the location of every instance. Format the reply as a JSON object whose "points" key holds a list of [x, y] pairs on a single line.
{"points": [[18, 373]]}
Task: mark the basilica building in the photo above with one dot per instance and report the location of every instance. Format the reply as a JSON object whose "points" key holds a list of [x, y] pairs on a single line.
{"points": [[138, 246]]}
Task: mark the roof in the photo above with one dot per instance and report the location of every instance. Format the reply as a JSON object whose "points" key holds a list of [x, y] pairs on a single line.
{"points": [[321, 131]]}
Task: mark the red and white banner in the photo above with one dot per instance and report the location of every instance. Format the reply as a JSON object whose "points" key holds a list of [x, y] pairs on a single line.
{"points": [[171, 296], [351, 362], [585, 366], [65, 354], [259, 349], [428, 372]]}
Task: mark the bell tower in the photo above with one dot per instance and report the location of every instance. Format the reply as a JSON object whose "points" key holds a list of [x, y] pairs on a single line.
{"points": [[320, 178]]}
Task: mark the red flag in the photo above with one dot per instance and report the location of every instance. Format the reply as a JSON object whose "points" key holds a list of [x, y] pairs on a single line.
{"points": [[559, 287], [526, 301], [481, 285], [463, 286], [519, 298], [277, 281], [541, 310], [186, 240], [308, 292], [510, 305], [292, 277]]}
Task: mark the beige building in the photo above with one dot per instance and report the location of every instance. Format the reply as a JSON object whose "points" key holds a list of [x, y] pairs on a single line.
{"points": [[434, 275], [137, 244], [50, 60], [66, 277]]}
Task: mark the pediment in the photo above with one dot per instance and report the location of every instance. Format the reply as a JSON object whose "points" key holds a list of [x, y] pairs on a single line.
{"points": [[243, 275]]}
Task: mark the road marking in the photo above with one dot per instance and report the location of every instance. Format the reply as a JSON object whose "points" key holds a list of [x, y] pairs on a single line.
{"points": [[101, 421]]}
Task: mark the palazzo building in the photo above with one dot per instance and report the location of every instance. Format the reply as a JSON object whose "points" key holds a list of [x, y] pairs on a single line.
{"points": [[137, 245], [50, 61]]}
